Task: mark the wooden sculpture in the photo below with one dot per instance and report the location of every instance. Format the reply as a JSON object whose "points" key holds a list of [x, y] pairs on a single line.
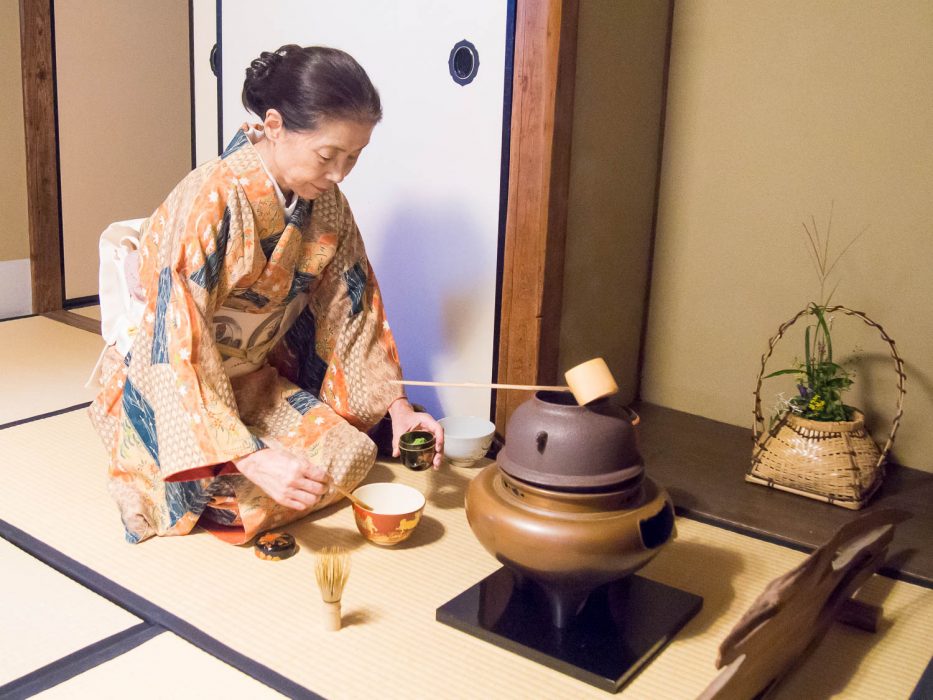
{"points": [[793, 613]]}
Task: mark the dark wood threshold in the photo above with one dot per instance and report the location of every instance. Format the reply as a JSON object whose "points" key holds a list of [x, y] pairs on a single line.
{"points": [[91, 325], [702, 464]]}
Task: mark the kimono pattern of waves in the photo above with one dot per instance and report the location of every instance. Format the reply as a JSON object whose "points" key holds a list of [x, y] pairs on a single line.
{"points": [[169, 414]]}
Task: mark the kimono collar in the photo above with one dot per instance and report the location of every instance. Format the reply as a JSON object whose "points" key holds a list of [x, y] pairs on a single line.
{"points": [[244, 161], [253, 135]]}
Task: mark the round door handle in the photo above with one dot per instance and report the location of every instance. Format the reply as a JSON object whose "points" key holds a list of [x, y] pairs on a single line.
{"points": [[463, 62]]}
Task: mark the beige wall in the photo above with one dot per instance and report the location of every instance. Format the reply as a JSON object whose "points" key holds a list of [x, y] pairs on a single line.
{"points": [[614, 159], [14, 234], [124, 118], [776, 112]]}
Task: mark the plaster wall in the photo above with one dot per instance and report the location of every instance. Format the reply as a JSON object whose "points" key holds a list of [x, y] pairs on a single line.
{"points": [[124, 111], [618, 98], [14, 234], [780, 113]]}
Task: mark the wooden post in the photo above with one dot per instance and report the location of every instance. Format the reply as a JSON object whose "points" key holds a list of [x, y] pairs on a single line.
{"points": [[39, 112], [539, 174]]}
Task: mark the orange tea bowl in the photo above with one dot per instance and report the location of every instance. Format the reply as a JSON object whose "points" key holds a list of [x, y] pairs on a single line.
{"points": [[396, 511]]}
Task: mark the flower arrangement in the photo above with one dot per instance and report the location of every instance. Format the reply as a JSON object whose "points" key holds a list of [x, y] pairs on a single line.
{"points": [[820, 380], [817, 446]]}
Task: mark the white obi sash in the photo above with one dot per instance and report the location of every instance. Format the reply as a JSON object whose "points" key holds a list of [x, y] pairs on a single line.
{"points": [[244, 339]]}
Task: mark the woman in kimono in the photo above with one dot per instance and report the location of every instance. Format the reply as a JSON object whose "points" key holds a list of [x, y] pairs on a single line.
{"points": [[263, 354]]}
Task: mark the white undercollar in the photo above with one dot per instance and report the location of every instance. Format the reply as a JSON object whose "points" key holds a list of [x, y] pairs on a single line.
{"points": [[254, 135]]}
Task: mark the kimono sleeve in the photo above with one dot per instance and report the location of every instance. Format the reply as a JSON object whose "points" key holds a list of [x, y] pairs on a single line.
{"points": [[177, 399], [350, 355]]}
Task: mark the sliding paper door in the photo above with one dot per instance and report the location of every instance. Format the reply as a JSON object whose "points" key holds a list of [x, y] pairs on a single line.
{"points": [[427, 193]]}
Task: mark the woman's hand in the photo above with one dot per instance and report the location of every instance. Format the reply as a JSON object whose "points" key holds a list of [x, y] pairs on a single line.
{"points": [[289, 480], [405, 418]]}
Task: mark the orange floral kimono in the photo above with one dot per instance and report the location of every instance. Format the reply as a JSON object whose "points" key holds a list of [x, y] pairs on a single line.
{"points": [[169, 413]]}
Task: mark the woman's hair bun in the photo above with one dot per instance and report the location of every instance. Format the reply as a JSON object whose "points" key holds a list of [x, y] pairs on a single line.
{"points": [[261, 67], [308, 84]]}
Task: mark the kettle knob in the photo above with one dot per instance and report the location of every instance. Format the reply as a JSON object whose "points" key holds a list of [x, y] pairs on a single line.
{"points": [[541, 441]]}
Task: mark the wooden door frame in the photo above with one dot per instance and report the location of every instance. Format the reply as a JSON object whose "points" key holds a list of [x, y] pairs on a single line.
{"points": [[539, 180], [43, 186], [539, 175]]}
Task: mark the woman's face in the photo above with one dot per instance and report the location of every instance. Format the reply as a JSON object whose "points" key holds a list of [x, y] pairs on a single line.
{"points": [[309, 163]]}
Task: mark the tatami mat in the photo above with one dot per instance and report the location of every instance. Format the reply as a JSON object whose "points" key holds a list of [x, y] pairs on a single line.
{"points": [[45, 365], [164, 667], [391, 644], [45, 615], [89, 311]]}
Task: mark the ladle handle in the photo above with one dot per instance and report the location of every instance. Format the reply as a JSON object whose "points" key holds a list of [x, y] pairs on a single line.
{"points": [[480, 385], [344, 492]]}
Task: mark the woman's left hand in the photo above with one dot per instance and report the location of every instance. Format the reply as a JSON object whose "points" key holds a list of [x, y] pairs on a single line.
{"points": [[405, 418]]}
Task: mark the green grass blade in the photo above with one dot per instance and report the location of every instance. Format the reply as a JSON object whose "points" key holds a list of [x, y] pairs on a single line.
{"points": [[829, 340], [806, 348], [782, 371]]}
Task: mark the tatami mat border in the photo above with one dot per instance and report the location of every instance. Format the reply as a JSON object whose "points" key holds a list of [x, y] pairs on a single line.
{"points": [[79, 661], [16, 318], [50, 414], [152, 614], [924, 689], [81, 302]]}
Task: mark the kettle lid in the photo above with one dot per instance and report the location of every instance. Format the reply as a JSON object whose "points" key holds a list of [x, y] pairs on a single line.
{"points": [[552, 441]]}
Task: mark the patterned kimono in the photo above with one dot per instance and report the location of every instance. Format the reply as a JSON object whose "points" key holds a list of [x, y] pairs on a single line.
{"points": [[170, 415]]}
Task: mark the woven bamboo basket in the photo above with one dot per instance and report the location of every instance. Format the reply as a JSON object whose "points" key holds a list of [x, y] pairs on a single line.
{"points": [[837, 462]]}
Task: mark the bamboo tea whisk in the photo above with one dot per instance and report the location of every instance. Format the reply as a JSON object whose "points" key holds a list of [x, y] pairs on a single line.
{"points": [[331, 569]]}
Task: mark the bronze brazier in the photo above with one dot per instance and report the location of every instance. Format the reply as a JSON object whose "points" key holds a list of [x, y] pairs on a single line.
{"points": [[567, 507]]}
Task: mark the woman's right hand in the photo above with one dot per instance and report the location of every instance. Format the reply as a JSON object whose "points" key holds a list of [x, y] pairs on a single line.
{"points": [[289, 480]]}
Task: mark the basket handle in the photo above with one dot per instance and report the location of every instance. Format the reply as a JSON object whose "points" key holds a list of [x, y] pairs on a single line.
{"points": [[898, 367]]}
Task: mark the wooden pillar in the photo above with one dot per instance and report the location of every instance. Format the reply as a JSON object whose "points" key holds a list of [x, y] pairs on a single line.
{"points": [[536, 218], [42, 184]]}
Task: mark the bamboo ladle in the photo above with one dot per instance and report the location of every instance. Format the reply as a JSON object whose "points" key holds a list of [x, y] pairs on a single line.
{"points": [[588, 382], [344, 492]]}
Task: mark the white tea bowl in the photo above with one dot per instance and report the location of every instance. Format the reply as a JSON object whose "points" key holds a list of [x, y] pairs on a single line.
{"points": [[466, 439]]}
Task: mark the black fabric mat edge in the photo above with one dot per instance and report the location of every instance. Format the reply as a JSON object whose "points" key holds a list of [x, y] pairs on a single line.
{"points": [[50, 414], [79, 661], [40, 416], [151, 613], [17, 318], [924, 689]]}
